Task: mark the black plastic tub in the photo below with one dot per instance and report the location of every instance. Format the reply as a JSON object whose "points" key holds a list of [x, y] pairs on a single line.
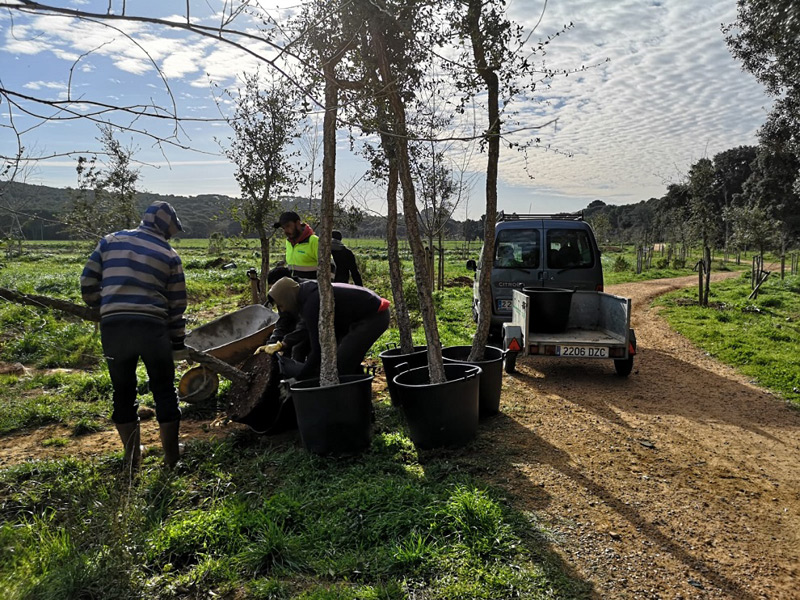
{"points": [[334, 419], [491, 374], [549, 308], [441, 414], [393, 358]]}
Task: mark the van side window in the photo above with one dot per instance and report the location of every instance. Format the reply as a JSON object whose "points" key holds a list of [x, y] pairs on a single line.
{"points": [[569, 249], [517, 248]]}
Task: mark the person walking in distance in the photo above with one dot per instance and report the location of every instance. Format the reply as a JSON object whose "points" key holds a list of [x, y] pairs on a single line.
{"points": [[345, 260], [136, 280], [302, 245]]}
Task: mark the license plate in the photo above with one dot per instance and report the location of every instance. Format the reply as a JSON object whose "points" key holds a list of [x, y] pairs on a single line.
{"points": [[504, 304], [583, 351]]}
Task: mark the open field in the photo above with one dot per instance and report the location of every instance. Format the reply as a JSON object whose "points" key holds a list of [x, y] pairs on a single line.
{"points": [[258, 517]]}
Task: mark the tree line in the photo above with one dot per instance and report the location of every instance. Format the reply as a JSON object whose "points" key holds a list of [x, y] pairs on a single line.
{"points": [[741, 199]]}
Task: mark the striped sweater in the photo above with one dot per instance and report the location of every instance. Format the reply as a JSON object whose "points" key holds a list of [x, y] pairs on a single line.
{"points": [[136, 272]]}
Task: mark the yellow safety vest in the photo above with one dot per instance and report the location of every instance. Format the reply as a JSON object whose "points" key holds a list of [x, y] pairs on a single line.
{"points": [[302, 258]]}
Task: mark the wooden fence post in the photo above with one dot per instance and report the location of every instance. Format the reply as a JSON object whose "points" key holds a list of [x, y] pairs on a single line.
{"points": [[700, 266]]}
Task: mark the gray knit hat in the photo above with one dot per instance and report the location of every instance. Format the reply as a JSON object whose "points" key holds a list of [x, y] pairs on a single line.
{"points": [[283, 294]]}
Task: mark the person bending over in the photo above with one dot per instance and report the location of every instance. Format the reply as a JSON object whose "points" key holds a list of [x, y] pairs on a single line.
{"points": [[360, 317]]}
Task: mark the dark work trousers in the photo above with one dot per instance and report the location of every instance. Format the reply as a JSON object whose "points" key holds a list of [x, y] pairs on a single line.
{"points": [[355, 344], [127, 338]]}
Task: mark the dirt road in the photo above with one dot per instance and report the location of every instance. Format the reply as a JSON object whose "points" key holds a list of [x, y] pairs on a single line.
{"points": [[682, 481]]}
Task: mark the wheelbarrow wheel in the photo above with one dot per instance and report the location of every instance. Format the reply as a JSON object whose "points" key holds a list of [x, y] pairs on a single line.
{"points": [[198, 384]]}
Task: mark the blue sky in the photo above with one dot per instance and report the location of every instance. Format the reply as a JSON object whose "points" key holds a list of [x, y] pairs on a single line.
{"points": [[665, 94]]}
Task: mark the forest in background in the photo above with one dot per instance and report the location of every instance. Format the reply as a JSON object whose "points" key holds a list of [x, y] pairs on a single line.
{"points": [[40, 212]]}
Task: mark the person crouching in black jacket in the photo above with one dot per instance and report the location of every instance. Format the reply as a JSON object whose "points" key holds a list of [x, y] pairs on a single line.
{"points": [[360, 317]]}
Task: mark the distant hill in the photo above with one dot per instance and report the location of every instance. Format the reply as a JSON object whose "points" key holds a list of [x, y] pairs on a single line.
{"points": [[37, 210]]}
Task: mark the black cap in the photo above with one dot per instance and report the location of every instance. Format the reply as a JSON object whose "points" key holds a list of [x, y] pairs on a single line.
{"points": [[336, 234], [287, 217]]}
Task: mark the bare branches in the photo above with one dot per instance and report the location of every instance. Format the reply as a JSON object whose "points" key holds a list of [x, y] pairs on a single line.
{"points": [[232, 37]]}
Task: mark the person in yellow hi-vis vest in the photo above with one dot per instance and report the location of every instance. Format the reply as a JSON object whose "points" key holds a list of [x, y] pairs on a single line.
{"points": [[301, 245]]}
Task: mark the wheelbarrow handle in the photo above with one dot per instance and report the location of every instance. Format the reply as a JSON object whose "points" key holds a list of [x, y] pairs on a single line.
{"points": [[218, 366]]}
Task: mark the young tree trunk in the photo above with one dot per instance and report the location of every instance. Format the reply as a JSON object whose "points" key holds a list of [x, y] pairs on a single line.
{"points": [[490, 79], [395, 268], [421, 274], [700, 281], [327, 336], [707, 261], [441, 260], [262, 277], [84, 312], [783, 259]]}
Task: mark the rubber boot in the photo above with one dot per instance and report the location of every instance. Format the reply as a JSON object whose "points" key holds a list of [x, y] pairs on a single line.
{"points": [[169, 441], [131, 441]]}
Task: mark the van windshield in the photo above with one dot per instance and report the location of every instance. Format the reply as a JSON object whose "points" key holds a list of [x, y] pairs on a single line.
{"points": [[517, 249]]}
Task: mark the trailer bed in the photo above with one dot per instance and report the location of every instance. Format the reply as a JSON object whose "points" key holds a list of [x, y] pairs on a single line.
{"points": [[597, 327]]}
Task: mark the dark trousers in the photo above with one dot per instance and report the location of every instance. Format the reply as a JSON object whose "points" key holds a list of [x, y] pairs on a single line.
{"points": [[125, 340], [355, 344]]}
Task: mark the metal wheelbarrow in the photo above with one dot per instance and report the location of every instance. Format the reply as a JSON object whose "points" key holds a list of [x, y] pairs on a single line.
{"points": [[220, 345]]}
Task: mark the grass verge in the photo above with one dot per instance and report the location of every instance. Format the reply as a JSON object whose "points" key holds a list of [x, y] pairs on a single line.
{"points": [[759, 337]]}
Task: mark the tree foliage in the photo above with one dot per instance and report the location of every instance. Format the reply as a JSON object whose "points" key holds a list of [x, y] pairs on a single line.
{"points": [[105, 199], [765, 39], [770, 191], [264, 126]]}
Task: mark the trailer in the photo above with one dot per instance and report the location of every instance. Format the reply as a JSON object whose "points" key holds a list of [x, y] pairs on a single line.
{"points": [[570, 324]]}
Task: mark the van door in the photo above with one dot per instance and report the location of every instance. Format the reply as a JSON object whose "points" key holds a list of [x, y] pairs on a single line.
{"points": [[518, 263], [572, 259]]}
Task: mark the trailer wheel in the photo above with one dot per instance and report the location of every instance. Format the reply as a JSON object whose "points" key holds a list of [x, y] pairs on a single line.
{"points": [[511, 362], [624, 366]]}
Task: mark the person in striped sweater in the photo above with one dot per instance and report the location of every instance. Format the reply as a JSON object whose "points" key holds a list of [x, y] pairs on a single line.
{"points": [[136, 279]]}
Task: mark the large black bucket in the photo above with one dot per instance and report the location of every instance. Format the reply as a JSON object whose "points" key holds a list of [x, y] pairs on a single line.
{"points": [[491, 374], [549, 308], [393, 357], [440, 414], [334, 419]]}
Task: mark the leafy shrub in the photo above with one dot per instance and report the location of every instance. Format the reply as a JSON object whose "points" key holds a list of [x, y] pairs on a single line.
{"points": [[621, 264], [216, 243]]}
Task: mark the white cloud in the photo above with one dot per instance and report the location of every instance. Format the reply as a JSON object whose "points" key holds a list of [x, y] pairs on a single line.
{"points": [[669, 94], [39, 85]]}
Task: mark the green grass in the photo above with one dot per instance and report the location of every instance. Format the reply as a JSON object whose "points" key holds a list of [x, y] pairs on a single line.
{"points": [[263, 520], [760, 337], [78, 399]]}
